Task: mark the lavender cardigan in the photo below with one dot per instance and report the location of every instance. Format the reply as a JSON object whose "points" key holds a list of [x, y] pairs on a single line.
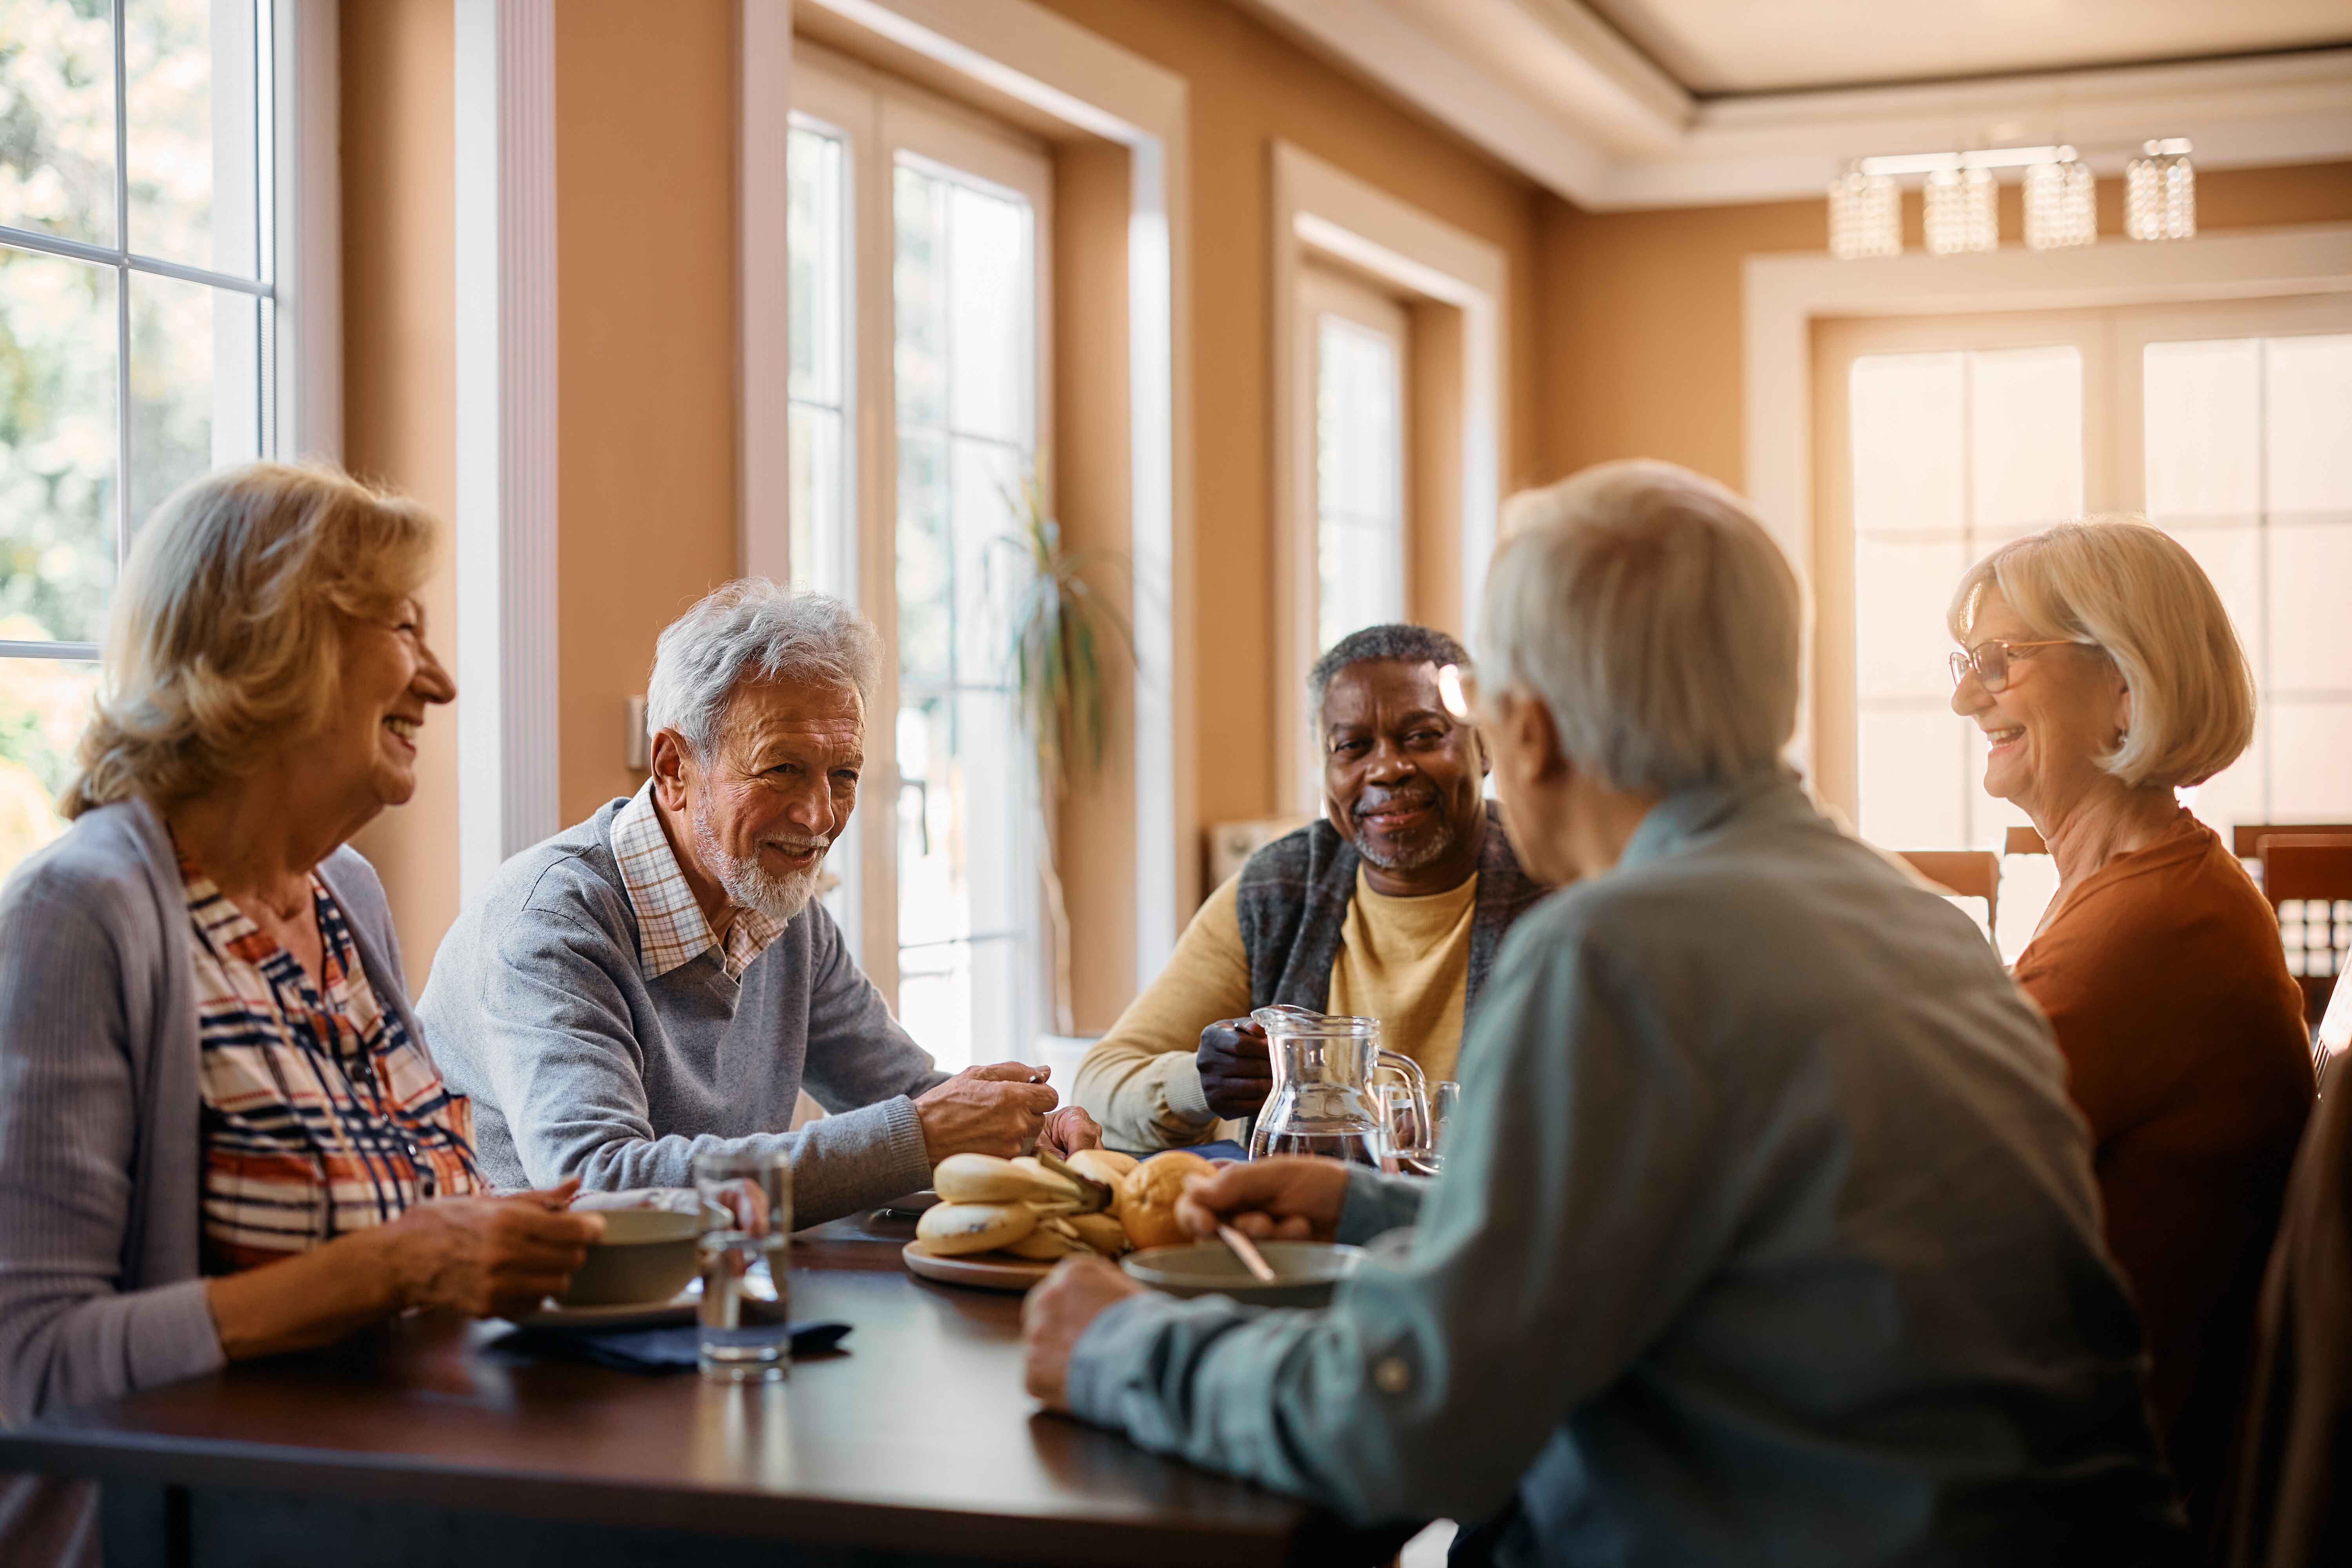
{"points": [[101, 1137]]}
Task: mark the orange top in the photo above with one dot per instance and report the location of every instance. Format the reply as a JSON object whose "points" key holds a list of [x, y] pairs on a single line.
{"points": [[2185, 1045]]}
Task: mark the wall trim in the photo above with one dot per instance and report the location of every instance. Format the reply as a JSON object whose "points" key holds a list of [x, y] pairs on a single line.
{"points": [[763, 293], [1319, 208], [1558, 95], [506, 432], [1084, 80], [308, 228], [1784, 294]]}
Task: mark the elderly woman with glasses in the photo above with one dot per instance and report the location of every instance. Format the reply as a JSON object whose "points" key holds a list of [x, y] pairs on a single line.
{"points": [[2098, 661], [221, 1133], [1764, 1233]]}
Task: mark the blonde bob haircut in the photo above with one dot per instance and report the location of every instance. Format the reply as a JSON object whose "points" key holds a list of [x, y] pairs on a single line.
{"points": [[2131, 592], [1655, 617], [226, 630]]}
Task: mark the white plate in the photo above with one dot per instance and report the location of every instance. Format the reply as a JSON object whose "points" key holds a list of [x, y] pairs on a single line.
{"points": [[678, 1309], [983, 1271]]}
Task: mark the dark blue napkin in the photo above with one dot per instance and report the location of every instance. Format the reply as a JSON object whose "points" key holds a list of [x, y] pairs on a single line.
{"points": [[1222, 1148], [673, 1348]]}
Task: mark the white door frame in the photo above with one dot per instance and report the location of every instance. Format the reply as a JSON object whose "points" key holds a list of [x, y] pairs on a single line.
{"points": [[1061, 70], [1319, 208]]}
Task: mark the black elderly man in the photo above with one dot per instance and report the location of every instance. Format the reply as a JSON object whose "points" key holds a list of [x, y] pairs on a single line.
{"points": [[1392, 907]]}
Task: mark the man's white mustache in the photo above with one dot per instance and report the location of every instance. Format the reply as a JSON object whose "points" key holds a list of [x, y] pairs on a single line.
{"points": [[800, 846]]}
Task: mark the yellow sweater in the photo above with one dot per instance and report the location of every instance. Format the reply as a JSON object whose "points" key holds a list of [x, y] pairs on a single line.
{"points": [[1405, 962]]}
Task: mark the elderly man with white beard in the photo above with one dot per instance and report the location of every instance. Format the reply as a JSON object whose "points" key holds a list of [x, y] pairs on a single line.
{"points": [[657, 981]]}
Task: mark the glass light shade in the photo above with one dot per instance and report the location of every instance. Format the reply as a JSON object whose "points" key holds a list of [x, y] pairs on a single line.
{"points": [[1961, 215], [2160, 191], [1865, 216], [2059, 205]]}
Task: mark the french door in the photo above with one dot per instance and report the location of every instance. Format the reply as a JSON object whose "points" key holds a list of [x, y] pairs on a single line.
{"points": [[920, 319], [2224, 423]]}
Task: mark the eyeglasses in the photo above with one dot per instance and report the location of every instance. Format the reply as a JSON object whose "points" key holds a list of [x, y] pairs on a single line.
{"points": [[1457, 688], [1989, 660]]}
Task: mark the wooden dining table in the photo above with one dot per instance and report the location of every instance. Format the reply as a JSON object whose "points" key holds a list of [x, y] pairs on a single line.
{"points": [[424, 1443]]}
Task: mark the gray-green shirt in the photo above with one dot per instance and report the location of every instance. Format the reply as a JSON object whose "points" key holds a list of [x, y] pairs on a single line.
{"points": [[1768, 1235]]}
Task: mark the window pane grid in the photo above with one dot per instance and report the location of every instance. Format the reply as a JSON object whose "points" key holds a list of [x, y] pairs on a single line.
{"points": [[1358, 478], [1952, 454], [965, 373], [2247, 466], [137, 307]]}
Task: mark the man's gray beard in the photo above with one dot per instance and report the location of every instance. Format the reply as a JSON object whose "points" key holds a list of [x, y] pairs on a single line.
{"points": [[1440, 840], [748, 884]]}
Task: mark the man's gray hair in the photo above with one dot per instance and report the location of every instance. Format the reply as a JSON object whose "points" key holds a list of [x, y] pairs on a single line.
{"points": [[1396, 641], [1651, 612], [753, 629]]}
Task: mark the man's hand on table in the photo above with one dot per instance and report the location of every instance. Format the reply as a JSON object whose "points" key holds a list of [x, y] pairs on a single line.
{"points": [[1287, 1198], [1236, 1074], [1069, 1129], [995, 1110], [1055, 1312]]}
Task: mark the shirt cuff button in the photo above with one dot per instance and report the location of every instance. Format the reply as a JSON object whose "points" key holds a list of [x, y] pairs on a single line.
{"points": [[1390, 1376]]}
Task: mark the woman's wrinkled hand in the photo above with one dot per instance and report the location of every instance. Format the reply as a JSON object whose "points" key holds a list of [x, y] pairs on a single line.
{"points": [[490, 1257]]}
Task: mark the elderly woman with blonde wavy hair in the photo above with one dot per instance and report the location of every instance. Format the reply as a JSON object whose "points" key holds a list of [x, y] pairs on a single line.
{"points": [[2100, 664], [221, 1133]]}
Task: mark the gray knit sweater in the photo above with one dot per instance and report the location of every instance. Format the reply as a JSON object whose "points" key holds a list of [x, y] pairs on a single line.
{"points": [[100, 1135], [577, 1064]]}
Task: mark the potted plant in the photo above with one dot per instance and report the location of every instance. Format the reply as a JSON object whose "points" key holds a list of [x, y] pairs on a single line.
{"points": [[1063, 636]]}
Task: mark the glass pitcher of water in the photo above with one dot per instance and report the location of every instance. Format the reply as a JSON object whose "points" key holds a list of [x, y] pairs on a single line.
{"points": [[1322, 1102]]}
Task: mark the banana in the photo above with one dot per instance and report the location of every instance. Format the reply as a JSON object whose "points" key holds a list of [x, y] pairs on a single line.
{"points": [[1061, 1185], [1045, 1244], [985, 1179], [952, 1229], [1100, 1231], [1104, 1166]]}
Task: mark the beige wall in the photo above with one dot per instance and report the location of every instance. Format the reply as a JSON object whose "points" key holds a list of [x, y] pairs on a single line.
{"points": [[1628, 344], [1640, 328], [645, 223], [400, 380], [1249, 87]]}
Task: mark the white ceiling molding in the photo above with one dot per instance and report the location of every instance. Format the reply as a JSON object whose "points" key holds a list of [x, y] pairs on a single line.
{"points": [[1554, 92]]}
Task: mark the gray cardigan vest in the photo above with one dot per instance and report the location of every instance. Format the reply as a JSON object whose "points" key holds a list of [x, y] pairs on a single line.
{"points": [[1293, 902]]}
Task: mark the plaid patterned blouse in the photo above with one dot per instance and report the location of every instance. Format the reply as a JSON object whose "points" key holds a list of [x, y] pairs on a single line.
{"points": [[320, 1115]]}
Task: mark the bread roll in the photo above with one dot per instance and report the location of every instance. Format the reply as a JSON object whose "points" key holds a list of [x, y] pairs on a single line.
{"points": [[1147, 1197]]}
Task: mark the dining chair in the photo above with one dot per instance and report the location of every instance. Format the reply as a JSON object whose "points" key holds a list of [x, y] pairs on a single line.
{"points": [[2023, 840], [2307, 878], [2335, 1035], [1965, 873]]}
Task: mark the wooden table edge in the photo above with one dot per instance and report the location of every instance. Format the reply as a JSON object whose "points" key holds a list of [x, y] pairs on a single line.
{"points": [[175, 1460]]}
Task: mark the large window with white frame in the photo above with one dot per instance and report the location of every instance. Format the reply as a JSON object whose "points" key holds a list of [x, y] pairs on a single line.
{"points": [[919, 413], [1356, 349], [1941, 438], [138, 322]]}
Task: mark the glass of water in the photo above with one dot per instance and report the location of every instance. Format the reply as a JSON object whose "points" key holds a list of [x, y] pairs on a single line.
{"points": [[747, 1224], [1444, 1098], [1416, 1147]]}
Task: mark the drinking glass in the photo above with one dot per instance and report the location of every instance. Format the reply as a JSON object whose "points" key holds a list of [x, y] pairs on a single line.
{"points": [[747, 1223], [1413, 1144], [1404, 1139], [1444, 1099]]}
